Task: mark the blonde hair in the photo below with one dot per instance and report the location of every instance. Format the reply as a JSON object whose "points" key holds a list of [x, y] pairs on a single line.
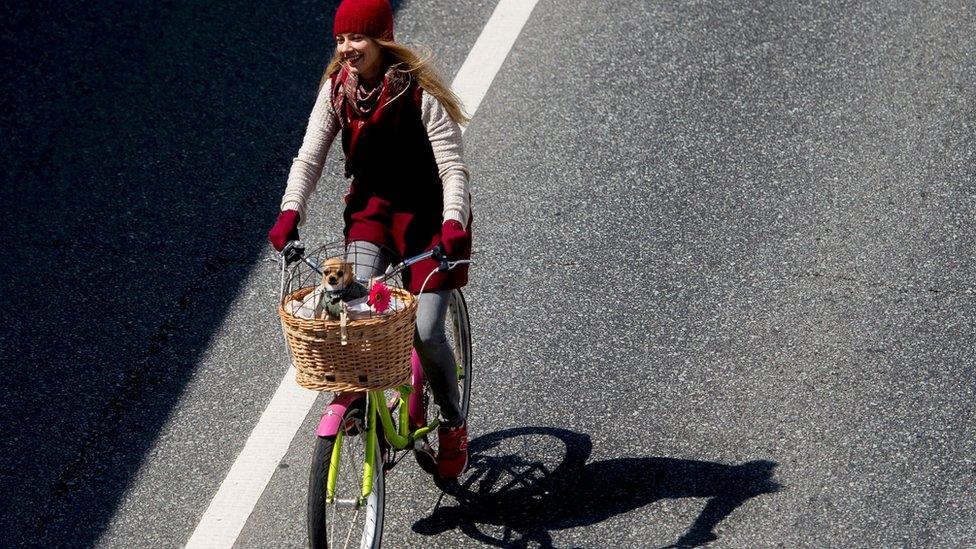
{"points": [[419, 66]]}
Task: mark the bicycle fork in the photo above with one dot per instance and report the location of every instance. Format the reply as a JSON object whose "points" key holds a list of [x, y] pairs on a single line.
{"points": [[369, 431]]}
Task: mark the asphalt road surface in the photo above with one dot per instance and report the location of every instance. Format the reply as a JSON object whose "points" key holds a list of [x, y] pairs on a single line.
{"points": [[724, 290]]}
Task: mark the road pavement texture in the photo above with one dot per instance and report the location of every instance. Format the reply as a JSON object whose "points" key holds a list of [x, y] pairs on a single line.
{"points": [[724, 292]]}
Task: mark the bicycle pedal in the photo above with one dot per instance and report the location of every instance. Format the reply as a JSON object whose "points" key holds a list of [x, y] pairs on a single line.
{"points": [[421, 445], [426, 457]]}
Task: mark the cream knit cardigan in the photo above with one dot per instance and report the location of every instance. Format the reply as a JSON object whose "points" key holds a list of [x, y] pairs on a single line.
{"points": [[323, 126]]}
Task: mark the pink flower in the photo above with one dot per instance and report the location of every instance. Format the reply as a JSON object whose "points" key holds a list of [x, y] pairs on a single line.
{"points": [[379, 297]]}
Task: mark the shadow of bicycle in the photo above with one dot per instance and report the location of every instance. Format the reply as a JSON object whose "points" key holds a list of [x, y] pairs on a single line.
{"points": [[525, 482]]}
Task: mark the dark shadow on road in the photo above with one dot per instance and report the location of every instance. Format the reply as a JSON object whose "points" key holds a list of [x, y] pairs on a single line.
{"points": [[144, 150], [523, 483]]}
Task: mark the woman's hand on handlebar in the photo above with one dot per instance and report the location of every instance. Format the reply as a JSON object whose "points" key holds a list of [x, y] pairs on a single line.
{"points": [[285, 230], [453, 238]]}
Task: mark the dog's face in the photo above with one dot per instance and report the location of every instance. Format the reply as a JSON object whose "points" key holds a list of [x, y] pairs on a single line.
{"points": [[336, 274]]}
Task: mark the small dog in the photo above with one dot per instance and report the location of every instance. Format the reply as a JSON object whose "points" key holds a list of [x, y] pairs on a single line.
{"points": [[338, 287]]}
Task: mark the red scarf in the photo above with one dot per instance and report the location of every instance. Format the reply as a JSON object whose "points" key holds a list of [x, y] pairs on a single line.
{"points": [[354, 106], [353, 100]]}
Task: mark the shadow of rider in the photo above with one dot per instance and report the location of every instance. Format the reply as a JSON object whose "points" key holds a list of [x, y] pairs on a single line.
{"points": [[512, 487]]}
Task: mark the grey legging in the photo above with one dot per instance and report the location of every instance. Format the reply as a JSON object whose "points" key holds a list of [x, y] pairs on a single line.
{"points": [[429, 338]]}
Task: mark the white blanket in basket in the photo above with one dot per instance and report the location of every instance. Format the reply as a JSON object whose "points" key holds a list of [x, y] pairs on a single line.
{"points": [[311, 306], [308, 307]]}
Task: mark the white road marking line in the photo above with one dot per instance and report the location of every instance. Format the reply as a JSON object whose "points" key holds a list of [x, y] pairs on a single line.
{"points": [[266, 446], [244, 484], [489, 51]]}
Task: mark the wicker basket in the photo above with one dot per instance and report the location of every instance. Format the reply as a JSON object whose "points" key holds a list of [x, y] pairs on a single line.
{"points": [[375, 355]]}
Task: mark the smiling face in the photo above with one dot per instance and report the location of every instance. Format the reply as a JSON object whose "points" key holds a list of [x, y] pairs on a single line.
{"points": [[361, 54]]}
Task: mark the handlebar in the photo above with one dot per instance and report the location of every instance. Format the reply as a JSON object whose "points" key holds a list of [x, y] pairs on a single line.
{"points": [[295, 251], [437, 253]]}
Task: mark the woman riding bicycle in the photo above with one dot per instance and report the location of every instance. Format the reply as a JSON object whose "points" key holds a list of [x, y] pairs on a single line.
{"points": [[400, 132]]}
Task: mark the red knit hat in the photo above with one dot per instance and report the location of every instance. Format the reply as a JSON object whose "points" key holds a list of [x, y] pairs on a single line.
{"points": [[373, 18]]}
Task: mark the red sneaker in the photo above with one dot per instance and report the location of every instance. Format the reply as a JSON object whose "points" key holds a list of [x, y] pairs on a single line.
{"points": [[452, 450]]}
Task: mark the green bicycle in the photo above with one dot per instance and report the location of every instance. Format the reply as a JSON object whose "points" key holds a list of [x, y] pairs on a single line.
{"points": [[364, 434]]}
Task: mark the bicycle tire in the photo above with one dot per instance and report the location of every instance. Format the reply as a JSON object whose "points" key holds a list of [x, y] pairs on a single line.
{"points": [[340, 524], [458, 327]]}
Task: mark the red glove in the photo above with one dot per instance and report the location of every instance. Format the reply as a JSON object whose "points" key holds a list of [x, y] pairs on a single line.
{"points": [[285, 229], [453, 238]]}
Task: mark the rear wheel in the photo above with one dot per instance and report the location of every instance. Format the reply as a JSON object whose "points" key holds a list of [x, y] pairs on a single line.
{"points": [[345, 522], [458, 328]]}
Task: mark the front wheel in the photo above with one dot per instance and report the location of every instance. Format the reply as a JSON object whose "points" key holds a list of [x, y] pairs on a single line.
{"points": [[345, 521], [458, 328]]}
